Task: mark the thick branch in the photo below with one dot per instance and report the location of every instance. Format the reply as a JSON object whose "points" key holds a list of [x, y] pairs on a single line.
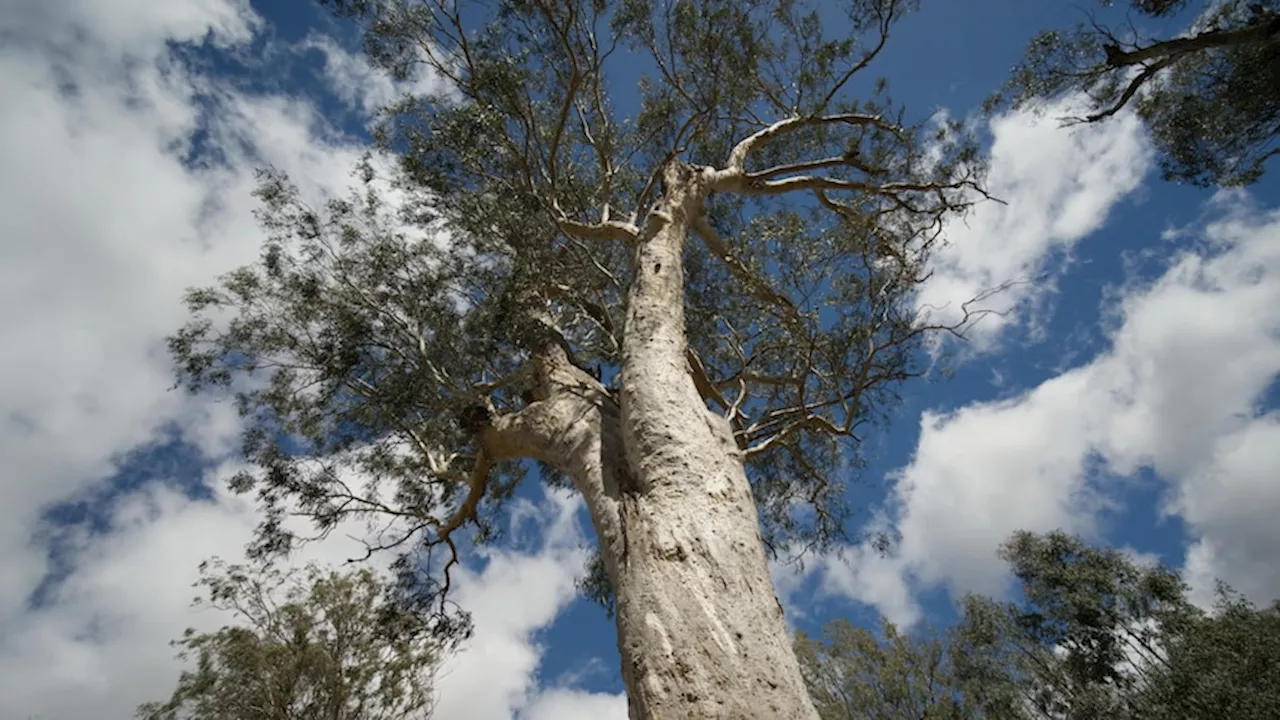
{"points": [[736, 167], [1256, 33], [608, 230]]}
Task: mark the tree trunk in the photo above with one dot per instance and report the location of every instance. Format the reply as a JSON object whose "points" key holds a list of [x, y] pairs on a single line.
{"points": [[700, 629]]}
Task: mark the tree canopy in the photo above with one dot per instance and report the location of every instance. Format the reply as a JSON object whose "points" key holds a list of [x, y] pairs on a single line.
{"points": [[1210, 96], [381, 349], [308, 644], [853, 673]]}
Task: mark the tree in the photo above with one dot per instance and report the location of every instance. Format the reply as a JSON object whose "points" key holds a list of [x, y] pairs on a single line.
{"points": [[1227, 664], [1094, 636], [1211, 97], [1099, 636], [685, 301], [1089, 628], [851, 673], [315, 645]]}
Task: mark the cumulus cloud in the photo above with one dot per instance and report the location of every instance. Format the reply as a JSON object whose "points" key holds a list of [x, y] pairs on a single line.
{"points": [[1058, 186], [1191, 357], [125, 177]]}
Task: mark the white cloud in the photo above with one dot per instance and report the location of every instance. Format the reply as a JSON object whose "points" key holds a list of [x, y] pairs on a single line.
{"points": [[559, 704], [1179, 390], [361, 86], [101, 235], [99, 645], [104, 226], [1059, 186], [515, 595], [65, 659]]}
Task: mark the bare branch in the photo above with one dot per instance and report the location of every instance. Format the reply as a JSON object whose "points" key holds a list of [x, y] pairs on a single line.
{"points": [[1134, 85], [886, 20], [608, 230], [476, 487], [848, 160], [706, 388], [816, 182], [736, 167], [809, 421], [1255, 33]]}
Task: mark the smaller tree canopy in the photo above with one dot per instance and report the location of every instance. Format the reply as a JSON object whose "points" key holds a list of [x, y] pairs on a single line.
{"points": [[312, 644], [852, 673], [1095, 636], [1226, 665], [1211, 96], [1100, 636]]}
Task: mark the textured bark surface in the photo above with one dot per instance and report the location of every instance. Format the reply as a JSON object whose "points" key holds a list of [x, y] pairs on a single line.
{"points": [[700, 628]]}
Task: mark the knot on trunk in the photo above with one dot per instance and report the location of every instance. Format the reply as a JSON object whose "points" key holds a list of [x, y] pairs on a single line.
{"points": [[474, 418]]}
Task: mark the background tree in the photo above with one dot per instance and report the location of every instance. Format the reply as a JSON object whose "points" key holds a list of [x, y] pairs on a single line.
{"points": [[1100, 636], [1094, 636], [1226, 665], [1211, 97], [853, 673], [687, 300], [311, 644]]}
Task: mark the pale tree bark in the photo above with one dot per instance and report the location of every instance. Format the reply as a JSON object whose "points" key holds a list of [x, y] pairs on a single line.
{"points": [[700, 629], [699, 626]]}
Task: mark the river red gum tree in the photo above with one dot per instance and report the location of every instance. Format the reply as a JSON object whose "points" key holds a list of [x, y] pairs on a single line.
{"points": [[687, 313]]}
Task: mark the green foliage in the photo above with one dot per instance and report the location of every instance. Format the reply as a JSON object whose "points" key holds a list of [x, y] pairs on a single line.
{"points": [[851, 673], [1209, 98], [312, 644], [1224, 665], [1098, 636], [1094, 637], [1089, 629]]}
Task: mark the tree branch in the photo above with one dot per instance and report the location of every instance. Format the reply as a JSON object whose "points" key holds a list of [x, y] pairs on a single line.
{"points": [[816, 182], [736, 167], [1134, 85], [886, 20], [1255, 33], [608, 230], [849, 160], [758, 285]]}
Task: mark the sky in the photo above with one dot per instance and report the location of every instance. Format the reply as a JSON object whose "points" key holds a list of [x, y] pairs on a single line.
{"points": [[1125, 394]]}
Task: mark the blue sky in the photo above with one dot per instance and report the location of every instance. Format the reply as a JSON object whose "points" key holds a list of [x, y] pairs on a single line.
{"points": [[1127, 394]]}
